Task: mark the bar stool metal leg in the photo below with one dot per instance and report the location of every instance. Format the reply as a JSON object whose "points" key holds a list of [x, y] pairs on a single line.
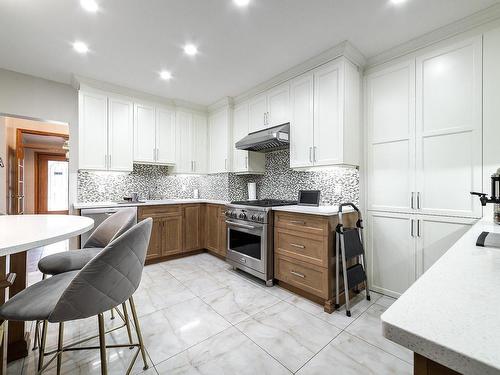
{"points": [[102, 344], [127, 323], [138, 331], [41, 351], [60, 341], [112, 314], [36, 340]]}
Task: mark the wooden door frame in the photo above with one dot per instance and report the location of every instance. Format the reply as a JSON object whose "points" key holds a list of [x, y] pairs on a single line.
{"points": [[60, 156]]}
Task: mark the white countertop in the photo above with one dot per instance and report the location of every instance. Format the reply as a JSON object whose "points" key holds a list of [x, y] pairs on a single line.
{"points": [[23, 232], [78, 206], [451, 314], [321, 210]]}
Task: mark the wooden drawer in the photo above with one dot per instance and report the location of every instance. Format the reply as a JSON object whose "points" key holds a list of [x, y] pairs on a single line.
{"points": [[302, 222], [302, 246], [309, 278], [156, 211]]}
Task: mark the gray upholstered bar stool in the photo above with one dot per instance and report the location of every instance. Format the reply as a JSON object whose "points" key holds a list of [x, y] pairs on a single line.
{"points": [[66, 261], [108, 280], [108, 230]]}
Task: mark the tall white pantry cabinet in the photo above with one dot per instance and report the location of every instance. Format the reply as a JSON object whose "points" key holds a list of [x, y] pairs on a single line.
{"points": [[424, 157]]}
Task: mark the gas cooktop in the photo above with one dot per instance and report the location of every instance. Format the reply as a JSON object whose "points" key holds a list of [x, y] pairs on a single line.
{"points": [[265, 203]]}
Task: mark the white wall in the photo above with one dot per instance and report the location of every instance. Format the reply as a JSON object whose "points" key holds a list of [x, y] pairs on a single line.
{"points": [[491, 107], [29, 96]]}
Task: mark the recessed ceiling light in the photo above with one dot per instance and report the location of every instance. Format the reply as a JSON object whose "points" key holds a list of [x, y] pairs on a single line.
{"points": [[89, 5], [80, 47], [166, 75], [398, 2], [190, 49], [241, 3]]}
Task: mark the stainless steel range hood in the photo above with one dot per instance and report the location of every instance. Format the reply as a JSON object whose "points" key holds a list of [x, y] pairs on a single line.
{"points": [[275, 138]]}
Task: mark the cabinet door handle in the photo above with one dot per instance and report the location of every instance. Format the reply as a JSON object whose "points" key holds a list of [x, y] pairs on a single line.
{"points": [[297, 245], [105, 161], [418, 228], [246, 162], [298, 222], [298, 274], [109, 164], [194, 165], [411, 228], [310, 155], [412, 199], [314, 154], [418, 200]]}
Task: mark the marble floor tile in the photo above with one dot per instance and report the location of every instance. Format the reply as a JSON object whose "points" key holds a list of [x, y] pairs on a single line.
{"points": [[279, 292], [179, 269], [385, 301], [229, 352], [289, 334], [200, 282], [174, 329], [88, 361], [157, 296], [369, 328], [238, 302], [352, 356]]}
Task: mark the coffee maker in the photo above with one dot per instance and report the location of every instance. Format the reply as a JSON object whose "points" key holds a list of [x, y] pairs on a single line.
{"points": [[494, 198]]}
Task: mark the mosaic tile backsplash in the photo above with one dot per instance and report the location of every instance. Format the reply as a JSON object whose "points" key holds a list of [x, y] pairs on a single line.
{"points": [[337, 185]]}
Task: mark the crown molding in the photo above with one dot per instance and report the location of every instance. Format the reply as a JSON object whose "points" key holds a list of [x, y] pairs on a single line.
{"points": [[80, 82], [225, 102], [461, 26], [345, 49]]}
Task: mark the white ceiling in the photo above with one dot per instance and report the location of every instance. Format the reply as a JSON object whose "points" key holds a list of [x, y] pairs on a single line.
{"points": [[132, 40]]}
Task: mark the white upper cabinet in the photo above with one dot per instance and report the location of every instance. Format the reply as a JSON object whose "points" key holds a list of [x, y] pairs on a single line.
{"points": [[184, 144], [244, 161], [120, 134], [200, 151], [93, 131], [191, 144], [270, 108], [390, 118], [325, 128], [105, 132], [449, 129], [302, 121], [328, 114], [278, 105], [219, 132], [165, 136], [257, 112], [424, 133], [144, 133], [154, 134]]}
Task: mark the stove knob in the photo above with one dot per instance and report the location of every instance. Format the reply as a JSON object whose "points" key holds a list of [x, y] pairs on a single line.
{"points": [[261, 218], [243, 215], [233, 214], [254, 218]]}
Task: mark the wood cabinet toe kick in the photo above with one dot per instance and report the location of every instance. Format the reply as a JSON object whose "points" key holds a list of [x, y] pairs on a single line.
{"points": [[304, 255]]}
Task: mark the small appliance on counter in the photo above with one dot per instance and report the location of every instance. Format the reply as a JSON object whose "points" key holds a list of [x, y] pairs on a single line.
{"points": [[309, 198], [488, 239], [495, 196]]}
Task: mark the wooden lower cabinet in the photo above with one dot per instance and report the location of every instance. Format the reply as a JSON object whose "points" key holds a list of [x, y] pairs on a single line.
{"points": [[304, 254], [184, 228], [216, 232], [193, 227], [172, 236]]}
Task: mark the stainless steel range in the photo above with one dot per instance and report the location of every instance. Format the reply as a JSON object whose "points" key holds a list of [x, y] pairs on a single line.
{"points": [[250, 236]]}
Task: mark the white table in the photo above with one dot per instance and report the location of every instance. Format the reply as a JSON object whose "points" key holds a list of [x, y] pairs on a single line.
{"points": [[19, 233]]}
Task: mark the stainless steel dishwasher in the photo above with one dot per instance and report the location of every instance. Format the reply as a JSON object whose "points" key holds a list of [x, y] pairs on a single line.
{"points": [[99, 215]]}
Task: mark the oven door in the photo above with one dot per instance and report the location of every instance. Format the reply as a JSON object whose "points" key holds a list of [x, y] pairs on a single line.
{"points": [[246, 244]]}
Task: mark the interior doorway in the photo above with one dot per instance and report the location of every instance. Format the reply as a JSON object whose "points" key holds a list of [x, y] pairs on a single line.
{"points": [[36, 166], [51, 183]]}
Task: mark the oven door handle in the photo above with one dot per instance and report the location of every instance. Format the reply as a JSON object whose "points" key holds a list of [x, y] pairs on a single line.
{"points": [[240, 225]]}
